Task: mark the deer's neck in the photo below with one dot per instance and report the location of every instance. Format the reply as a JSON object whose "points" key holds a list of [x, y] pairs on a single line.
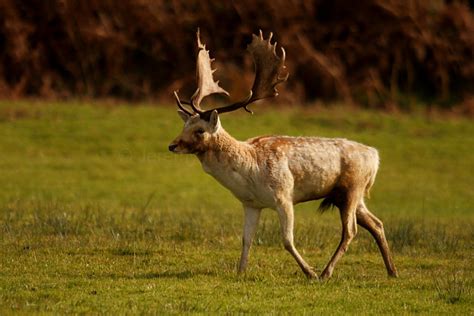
{"points": [[224, 153]]}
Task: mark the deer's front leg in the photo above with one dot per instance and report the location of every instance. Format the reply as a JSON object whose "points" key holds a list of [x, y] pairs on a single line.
{"points": [[286, 214], [252, 215]]}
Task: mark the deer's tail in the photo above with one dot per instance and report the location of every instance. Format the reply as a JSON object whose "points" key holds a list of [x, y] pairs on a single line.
{"points": [[374, 168], [326, 204]]}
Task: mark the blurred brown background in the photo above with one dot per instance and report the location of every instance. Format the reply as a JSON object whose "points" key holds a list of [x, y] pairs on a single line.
{"points": [[375, 53]]}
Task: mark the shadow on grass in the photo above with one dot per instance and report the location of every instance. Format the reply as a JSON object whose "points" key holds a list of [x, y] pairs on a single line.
{"points": [[181, 275], [186, 274]]}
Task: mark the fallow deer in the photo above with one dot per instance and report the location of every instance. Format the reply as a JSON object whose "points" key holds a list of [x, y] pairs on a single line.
{"points": [[279, 171]]}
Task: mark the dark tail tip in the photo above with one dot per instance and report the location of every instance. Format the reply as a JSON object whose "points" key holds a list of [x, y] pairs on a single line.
{"points": [[326, 205]]}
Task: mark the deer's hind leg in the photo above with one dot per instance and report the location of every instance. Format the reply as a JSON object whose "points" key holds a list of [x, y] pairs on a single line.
{"points": [[374, 225], [347, 205]]}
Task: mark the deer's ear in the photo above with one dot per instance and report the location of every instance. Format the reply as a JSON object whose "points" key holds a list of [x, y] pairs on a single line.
{"points": [[183, 115], [214, 120]]}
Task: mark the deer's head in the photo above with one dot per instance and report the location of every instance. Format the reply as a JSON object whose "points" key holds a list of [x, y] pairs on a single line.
{"points": [[200, 126], [197, 133]]}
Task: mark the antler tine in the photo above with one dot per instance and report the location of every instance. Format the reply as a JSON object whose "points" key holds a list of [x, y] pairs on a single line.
{"points": [[268, 68], [200, 45], [205, 81], [180, 105], [196, 107], [285, 77]]}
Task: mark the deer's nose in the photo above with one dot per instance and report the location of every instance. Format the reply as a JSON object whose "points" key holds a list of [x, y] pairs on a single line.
{"points": [[172, 147]]}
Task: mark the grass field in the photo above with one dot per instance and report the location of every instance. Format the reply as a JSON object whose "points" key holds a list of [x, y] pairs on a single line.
{"points": [[97, 216]]}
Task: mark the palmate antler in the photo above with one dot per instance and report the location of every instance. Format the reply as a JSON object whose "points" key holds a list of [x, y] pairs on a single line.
{"points": [[268, 69], [206, 84]]}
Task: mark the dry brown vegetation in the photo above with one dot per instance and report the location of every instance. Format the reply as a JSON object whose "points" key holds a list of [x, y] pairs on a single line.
{"points": [[371, 52]]}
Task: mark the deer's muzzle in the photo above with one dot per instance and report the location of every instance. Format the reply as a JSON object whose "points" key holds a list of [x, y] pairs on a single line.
{"points": [[172, 147]]}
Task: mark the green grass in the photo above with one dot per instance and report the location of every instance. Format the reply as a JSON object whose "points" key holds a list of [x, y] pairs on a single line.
{"points": [[97, 216]]}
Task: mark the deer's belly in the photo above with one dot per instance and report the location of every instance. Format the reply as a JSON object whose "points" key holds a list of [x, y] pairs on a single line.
{"points": [[314, 182]]}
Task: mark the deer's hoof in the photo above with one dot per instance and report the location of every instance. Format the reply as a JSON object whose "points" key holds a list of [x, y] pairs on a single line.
{"points": [[393, 274], [311, 274], [325, 275]]}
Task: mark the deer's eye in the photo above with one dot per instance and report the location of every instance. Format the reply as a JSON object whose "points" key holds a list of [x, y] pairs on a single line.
{"points": [[199, 131]]}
